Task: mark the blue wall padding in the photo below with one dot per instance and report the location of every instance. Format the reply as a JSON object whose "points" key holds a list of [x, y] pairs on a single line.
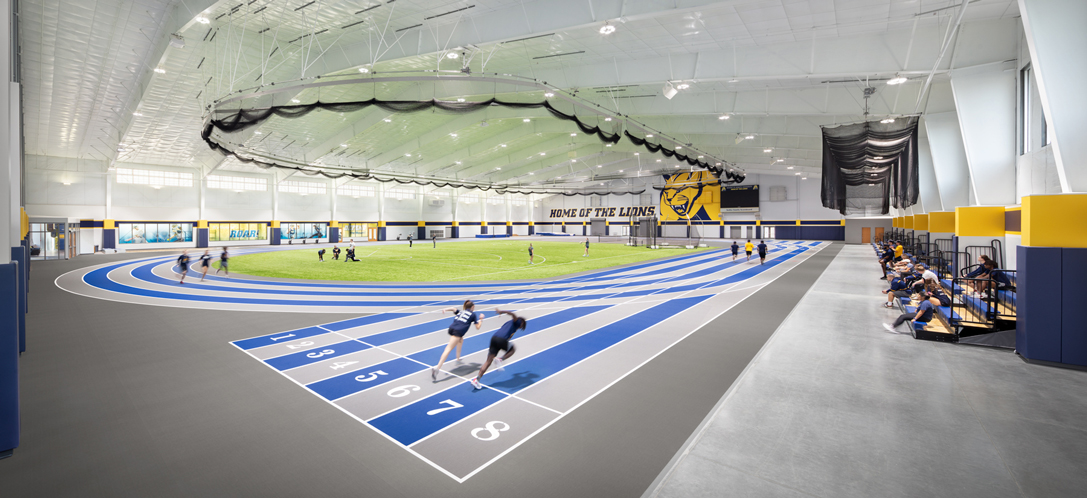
{"points": [[509, 229], [275, 238], [1039, 315], [456, 232], [422, 234], [381, 233], [201, 237], [22, 282], [531, 230], [109, 238], [333, 235], [9, 357], [1073, 300]]}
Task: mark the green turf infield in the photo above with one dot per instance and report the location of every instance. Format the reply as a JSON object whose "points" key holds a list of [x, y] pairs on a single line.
{"points": [[501, 259]]}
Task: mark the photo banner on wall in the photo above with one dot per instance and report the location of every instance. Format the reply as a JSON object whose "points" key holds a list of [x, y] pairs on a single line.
{"points": [[694, 195]]}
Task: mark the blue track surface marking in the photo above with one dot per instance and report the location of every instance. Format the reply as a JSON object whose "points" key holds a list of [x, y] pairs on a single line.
{"points": [[411, 423], [295, 360]]}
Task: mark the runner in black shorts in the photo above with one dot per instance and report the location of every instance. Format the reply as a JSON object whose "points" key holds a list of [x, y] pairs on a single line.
{"points": [[530, 255], [183, 265], [762, 252], [462, 320], [586, 248], [735, 250], [500, 341], [748, 247], [205, 263], [222, 263]]}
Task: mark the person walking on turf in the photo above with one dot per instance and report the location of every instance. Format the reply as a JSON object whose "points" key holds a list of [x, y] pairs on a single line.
{"points": [[500, 341], [735, 250], [586, 247], [762, 252], [530, 254], [749, 247], [205, 263], [462, 320], [223, 257], [409, 240], [183, 265], [434, 239]]}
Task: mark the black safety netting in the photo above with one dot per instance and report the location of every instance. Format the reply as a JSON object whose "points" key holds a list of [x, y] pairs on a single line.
{"points": [[235, 120], [870, 167]]}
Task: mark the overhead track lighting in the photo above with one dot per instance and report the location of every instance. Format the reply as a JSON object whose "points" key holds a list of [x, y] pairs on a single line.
{"points": [[607, 29], [897, 80], [682, 86], [669, 91]]}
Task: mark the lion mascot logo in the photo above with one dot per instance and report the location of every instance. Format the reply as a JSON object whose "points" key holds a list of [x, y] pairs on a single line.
{"points": [[683, 195]]}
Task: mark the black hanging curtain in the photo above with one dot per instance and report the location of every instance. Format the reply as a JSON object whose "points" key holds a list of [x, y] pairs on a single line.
{"points": [[235, 120], [870, 165]]}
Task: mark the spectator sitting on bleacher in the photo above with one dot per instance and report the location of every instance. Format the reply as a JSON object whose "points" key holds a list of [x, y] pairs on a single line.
{"points": [[938, 296], [885, 260], [979, 273], [990, 275], [898, 250], [923, 314], [902, 284]]}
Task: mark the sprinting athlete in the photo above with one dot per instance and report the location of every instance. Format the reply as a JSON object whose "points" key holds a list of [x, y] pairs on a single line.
{"points": [[183, 265], [735, 250], [223, 257], [749, 247], [500, 341], [586, 248], [530, 254], [205, 263], [463, 319], [762, 252]]}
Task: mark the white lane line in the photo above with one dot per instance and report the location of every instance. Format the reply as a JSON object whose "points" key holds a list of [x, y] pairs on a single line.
{"points": [[792, 258]]}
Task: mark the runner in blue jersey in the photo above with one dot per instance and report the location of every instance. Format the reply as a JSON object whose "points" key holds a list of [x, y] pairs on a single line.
{"points": [[183, 265], [762, 252], [500, 341], [462, 319], [735, 250]]}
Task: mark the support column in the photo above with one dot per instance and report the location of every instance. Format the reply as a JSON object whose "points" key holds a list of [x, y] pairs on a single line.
{"points": [[985, 103], [275, 234], [1049, 284], [380, 211], [109, 234], [929, 194], [454, 232], [201, 233], [1056, 39], [12, 284], [948, 159]]}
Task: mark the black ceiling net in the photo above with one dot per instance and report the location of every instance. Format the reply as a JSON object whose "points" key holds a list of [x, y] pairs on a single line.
{"points": [[870, 167], [235, 120]]}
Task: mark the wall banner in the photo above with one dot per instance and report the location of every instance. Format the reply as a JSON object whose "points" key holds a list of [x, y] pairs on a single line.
{"points": [[603, 212], [694, 195]]}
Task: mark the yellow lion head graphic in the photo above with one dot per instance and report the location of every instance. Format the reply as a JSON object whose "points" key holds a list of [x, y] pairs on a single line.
{"points": [[681, 193]]}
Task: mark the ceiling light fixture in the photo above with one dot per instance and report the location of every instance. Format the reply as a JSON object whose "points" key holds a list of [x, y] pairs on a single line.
{"points": [[454, 135], [798, 174], [137, 113], [677, 165], [408, 154], [452, 55], [503, 145], [767, 150], [203, 20], [607, 119], [364, 70], [460, 100], [679, 147], [549, 94], [682, 86], [750, 137], [608, 145], [649, 135], [878, 157], [897, 80], [67, 183], [573, 134], [498, 168], [723, 116], [607, 29], [160, 70], [599, 166], [258, 132], [788, 167], [637, 153], [888, 120], [658, 160], [295, 101], [458, 162], [387, 120], [526, 120], [543, 153], [668, 90], [781, 160], [531, 173]]}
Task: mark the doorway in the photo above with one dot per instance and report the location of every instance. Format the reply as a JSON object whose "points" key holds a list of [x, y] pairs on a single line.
{"points": [[371, 233], [866, 235], [47, 241], [72, 241], [879, 233]]}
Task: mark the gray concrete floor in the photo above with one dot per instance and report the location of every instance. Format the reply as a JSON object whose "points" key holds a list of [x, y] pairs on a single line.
{"points": [[836, 406]]}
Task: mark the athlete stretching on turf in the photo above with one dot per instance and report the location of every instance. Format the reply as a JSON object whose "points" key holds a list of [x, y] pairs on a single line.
{"points": [[500, 341], [462, 320]]}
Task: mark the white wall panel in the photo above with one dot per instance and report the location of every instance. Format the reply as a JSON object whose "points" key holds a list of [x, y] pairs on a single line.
{"points": [[948, 158], [985, 104]]}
